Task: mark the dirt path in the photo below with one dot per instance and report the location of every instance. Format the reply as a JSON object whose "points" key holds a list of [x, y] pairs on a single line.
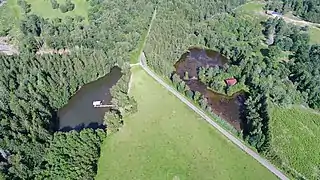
{"points": [[290, 20], [136, 64], [130, 84], [311, 110], [144, 43], [7, 48], [53, 51]]}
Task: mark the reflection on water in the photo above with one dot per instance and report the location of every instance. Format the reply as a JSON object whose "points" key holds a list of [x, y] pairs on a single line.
{"points": [[227, 107], [79, 112]]}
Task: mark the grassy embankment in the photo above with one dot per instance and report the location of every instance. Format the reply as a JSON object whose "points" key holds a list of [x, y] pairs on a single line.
{"points": [[295, 138], [167, 140]]}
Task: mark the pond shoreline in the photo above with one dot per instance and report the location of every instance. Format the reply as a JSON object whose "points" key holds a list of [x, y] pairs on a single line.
{"points": [[225, 106], [79, 112]]}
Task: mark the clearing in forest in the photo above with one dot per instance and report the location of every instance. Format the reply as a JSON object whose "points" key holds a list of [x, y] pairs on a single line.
{"points": [[255, 10], [44, 9], [251, 7], [167, 140], [11, 13], [295, 138], [314, 35]]}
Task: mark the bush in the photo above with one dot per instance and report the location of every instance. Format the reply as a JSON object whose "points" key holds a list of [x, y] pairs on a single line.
{"points": [[54, 4], [5, 31], [70, 5], [25, 6], [113, 121], [63, 8]]}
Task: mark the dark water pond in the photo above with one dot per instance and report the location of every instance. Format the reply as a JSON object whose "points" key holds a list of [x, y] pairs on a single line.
{"points": [[227, 107], [79, 112]]}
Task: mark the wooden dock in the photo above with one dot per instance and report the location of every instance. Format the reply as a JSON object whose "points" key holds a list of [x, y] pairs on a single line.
{"points": [[103, 105]]}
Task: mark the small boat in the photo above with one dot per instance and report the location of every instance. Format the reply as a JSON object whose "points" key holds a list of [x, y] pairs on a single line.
{"points": [[96, 103]]}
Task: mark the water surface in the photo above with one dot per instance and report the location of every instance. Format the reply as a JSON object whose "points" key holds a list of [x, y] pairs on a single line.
{"points": [[227, 107], [79, 112]]}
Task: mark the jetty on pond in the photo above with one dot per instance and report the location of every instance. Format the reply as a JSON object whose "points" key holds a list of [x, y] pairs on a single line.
{"points": [[98, 104]]}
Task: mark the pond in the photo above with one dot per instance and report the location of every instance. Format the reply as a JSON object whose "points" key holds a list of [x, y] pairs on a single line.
{"points": [[79, 112], [226, 107]]}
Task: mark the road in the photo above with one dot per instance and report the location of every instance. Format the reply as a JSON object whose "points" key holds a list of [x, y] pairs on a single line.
{"points": [[233, 139], [291, 20]]}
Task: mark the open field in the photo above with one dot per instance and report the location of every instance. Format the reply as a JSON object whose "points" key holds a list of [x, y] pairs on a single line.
{"points": [[252, 6], [295, 138], [314, 35], [43, 8], [167, 140], [253, 9]]}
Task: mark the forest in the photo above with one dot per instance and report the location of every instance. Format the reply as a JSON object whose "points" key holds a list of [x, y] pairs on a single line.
{"points": [[308, 10], [35, 83]]}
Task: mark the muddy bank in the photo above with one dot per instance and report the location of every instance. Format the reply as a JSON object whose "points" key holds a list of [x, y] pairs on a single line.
{"points": [[227, 107]]}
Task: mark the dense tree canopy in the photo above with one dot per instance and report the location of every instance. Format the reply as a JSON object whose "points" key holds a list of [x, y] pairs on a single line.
{"points": [[73, 155], [40, 80], [33, 88], [177, 27], [306, 72]]}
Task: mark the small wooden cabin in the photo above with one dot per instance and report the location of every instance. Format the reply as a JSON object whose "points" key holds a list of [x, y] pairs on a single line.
{"points": [[231, 81]]}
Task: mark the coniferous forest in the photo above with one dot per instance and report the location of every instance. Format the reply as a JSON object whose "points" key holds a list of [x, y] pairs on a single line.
{"points": [[35, 83]]}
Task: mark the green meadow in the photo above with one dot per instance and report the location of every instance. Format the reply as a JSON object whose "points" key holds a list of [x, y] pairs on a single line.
{"points": [[167, 140]]}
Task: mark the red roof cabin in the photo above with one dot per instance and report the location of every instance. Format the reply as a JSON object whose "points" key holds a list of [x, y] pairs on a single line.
{"points": [[231, 81]]}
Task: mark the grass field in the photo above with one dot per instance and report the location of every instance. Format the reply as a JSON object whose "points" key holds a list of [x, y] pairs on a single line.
{"points": [[253, 9], [314, 35], [43, 8], [253, 6], [167, 140], [295, 137]]}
